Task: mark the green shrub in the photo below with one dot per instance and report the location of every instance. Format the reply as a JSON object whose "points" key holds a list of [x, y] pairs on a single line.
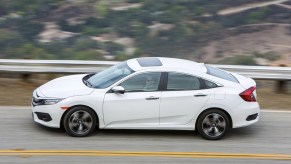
{"points": [[269, 55], [239, 60]]}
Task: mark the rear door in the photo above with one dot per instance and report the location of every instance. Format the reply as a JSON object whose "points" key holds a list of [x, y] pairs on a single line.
{"points": [[182, 99]]}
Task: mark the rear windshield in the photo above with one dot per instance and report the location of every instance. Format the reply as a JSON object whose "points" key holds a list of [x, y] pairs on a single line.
{"points": [[220, 73]]}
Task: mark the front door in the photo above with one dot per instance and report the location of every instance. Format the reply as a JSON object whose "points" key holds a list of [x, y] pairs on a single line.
{"points": [[138, 107]]}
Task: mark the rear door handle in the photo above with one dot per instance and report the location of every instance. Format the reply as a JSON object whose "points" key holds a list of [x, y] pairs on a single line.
{"points": [[200, 95], [152, 98]]}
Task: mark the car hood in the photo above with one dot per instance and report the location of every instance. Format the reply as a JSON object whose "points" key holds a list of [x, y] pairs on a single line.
{"points": [[64, 87]]}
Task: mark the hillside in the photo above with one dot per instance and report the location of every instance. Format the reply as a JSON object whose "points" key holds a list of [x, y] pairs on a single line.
{"points": [[230, 32]]}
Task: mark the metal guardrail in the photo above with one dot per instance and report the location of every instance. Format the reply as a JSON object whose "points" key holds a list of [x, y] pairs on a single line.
{"points": [[26, 66], [259, 72], [53, 66]]}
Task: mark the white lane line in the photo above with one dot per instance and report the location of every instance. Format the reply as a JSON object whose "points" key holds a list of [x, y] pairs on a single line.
{"points": [[15, 107], [276, 111]]}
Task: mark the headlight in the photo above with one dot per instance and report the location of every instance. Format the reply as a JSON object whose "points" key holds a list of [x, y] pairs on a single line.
{"points": [[51, 101], [36, 101]]}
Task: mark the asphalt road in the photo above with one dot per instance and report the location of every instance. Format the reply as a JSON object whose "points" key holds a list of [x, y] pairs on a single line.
{"points": [[23, 141]]}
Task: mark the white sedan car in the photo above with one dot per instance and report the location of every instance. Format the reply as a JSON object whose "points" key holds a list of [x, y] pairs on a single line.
{"points": [[149, 93]]}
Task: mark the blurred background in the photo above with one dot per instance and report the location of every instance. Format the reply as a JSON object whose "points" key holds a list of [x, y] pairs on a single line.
{"points": [[236, 32]]}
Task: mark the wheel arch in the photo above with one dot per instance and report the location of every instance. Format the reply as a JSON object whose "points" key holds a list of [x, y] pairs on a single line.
{"points": [[63, 116]]}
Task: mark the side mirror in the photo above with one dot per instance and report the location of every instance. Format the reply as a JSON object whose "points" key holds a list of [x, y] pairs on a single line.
{"points": [[118, 89]]}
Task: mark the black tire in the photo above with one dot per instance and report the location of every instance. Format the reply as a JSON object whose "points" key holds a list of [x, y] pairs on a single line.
{"points": [[213, 124], [80, 121]]}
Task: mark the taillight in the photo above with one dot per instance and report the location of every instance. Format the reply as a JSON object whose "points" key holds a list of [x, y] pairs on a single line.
{"points": [[248, 94]]}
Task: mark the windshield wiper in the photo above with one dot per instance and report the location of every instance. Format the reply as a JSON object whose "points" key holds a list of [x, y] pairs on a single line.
{"points": [[87, 83]]}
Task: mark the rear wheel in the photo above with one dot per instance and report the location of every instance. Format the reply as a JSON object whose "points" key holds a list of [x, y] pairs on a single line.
{"points": [[80, 121], [213, 124]]}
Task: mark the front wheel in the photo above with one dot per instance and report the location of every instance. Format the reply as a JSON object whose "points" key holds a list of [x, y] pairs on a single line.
{"points": [[213, 124], [80, 121]]}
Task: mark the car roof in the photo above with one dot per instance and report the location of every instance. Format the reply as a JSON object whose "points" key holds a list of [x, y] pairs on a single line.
{"points": [[163, 63]]}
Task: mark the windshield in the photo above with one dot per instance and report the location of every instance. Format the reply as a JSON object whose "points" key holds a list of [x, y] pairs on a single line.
{"points": [[109, 76]]}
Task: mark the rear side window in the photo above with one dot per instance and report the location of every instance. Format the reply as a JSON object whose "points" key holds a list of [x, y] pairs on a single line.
{"points": [[209, 84], [220, 74], [177, 81]]}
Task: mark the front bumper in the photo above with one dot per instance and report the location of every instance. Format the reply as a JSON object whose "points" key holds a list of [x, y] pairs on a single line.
{"points": [[43, 116], [40, 115]]}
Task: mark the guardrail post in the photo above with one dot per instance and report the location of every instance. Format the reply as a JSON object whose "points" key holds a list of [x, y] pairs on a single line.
{"points": [[281, 87], [281, 84], [25, 77]]}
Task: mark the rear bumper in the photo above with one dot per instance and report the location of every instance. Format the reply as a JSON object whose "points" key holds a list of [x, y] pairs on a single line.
{"points": [[246, 114]]}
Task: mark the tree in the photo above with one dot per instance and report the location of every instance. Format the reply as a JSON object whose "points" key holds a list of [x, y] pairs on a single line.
{"points": [[81, 44], [30, 7], [89, 30], [257, 16], [2, 10], [30, 51], [101, 8], [113, 48], [72, 28], [10, 38], [88, 55]]}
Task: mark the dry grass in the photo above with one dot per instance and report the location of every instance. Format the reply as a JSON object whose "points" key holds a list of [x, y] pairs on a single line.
{"points": [[268, 99], [15, 92]]}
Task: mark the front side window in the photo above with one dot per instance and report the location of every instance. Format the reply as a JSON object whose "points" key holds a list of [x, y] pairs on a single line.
{"points": [[109, 76], [177, 81], [145, 82]]}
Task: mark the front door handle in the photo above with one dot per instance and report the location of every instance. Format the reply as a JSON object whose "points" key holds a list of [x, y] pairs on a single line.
{"points": [[152, 98], [200, 95]]}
